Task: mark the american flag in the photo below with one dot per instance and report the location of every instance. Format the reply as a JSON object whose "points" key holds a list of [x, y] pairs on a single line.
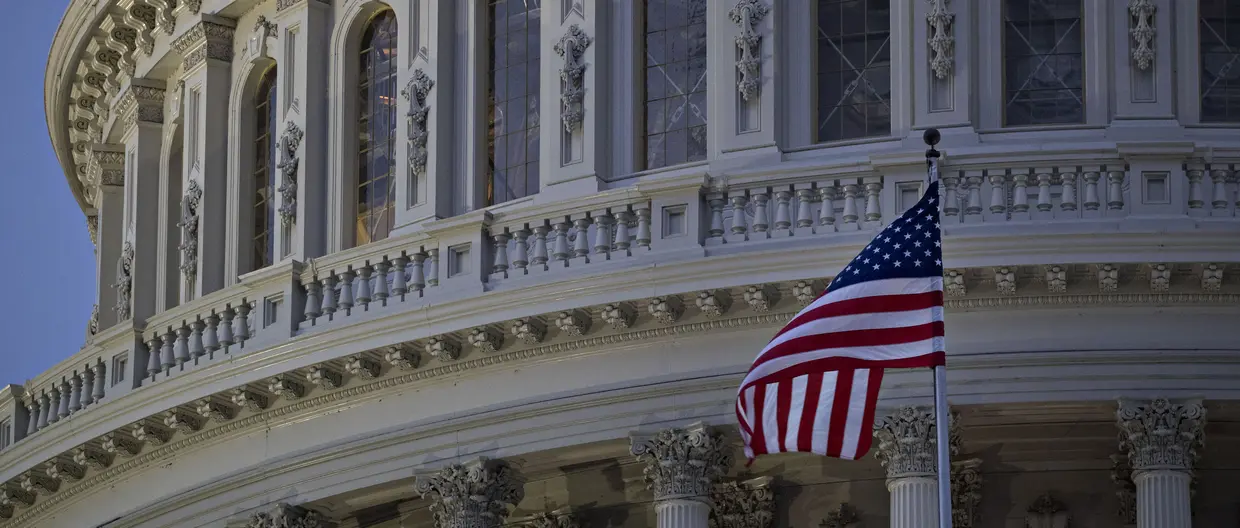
{"points": [[814, 387]]}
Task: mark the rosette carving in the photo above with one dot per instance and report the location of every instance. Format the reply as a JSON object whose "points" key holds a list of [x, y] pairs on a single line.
{"points": [[476, 494], [683, 463]]}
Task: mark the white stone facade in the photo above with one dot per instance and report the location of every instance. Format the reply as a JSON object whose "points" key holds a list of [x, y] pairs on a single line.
{"points": [[552, 334]]}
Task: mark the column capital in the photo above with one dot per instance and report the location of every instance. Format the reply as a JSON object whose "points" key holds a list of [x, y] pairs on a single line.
{"points": [[287, 516], [1161, 435], [475, 494], [105, 166], [743, 504], [561, 518], [682, 463], [907, 443], [142, 101], [210, 38]]}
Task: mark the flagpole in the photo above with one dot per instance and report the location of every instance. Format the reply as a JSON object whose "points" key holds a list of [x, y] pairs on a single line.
{"points": [[941, 418]]}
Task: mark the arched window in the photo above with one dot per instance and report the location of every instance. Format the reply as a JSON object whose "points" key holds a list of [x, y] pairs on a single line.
{"points": [[264, 180], [376, 124]]}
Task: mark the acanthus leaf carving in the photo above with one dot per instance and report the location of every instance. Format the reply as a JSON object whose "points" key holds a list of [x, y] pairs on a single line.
{"points": [[287, 516], [666, 309], [443, 348], [402, 356], [182, 421], [325, 377], [842, 517], [89, 456], [416, 92], [362, 367], [619, 316], [1161, 434], [941, 39], [573, 323], [572, 48], [486, 339], [907, 442], [529, 330], [285, 387], [190, 207], [683, 463], [151, 433], [966, 484], [743, 504], [120, 445], [248, 399], [124, 282], [63, 468], [290, 143], [747, 14], [476, 494], [1142, 32]]}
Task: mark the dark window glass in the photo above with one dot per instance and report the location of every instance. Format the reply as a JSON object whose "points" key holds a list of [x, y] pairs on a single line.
{"points": [[264, 165], [376, 130], [854, 69], [1043, 63], [1219, 35], [512, 99], [675, 82]]}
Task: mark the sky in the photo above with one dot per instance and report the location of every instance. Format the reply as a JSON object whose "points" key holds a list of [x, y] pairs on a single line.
{"points": [[48, 262]]}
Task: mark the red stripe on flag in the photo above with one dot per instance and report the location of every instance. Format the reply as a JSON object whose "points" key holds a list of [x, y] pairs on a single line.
{"points": [[810, 410], [759, 436], [871, 404], [869, 337], [839, 412], [783, 406], [906, 302], [828, 364]]}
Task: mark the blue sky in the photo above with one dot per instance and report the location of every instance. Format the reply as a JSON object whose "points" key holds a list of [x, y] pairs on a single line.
{"points": [[48, 263]]}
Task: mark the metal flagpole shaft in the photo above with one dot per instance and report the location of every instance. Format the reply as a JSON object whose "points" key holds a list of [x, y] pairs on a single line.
{"points": [[942, 425]]}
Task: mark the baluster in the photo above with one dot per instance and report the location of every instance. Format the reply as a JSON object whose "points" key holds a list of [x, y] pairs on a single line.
{"points": [[974, 180], [500, 266], [850, 204], [561, 251], [622, 231], [314, 300], [1115, 190], [329, 295], [182, 345], [1196, 199], [88, 387], [581, 244], [521, 250], [805, 208], [760, 199], [432, 271], [75, 400], [1067, 198], [998, 202], [346, 291], [873, 213], [1020, 193], [418, 275], [211, 338], [32, 415], [1044, 189], [45, 414], [739, 229], [400, 284], [783, 209], [54, 411], [226, 328], [602, 234], [65, 396], [715, 201], [381, 280], [643, 225], [166, 357], [1091, 190], [100, 374], [242, 331], [152, 356], [951, 200], [363, 296], [1218, 177], [826, 207], [196, 348], [540, 247]]}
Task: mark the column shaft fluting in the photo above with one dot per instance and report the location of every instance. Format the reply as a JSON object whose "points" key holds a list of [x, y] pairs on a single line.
{"points": [[1163, 499]]}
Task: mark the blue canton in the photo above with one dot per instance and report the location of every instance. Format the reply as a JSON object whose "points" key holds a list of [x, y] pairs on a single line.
{"points": [[909, 247]]}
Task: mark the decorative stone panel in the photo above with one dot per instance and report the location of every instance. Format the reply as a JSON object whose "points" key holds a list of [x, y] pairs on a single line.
{"points": [[743, 504]]}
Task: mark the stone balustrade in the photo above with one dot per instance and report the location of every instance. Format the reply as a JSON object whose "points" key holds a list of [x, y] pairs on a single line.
{"points": [[389, 275]]}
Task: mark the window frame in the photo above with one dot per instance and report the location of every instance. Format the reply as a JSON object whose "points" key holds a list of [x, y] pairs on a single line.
{"points": [[1002, 72], [893, 13], [642, 101], [268, 75], [357, 155], [533, 88], [1199, 64]]}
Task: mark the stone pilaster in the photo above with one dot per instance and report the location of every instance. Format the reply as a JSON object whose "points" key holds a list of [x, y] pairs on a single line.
{"points": [[106, 175], [141, 112], [287, 516], [1161, 440], [743, 504], [475, 494], [682, 467], [907, 448]]}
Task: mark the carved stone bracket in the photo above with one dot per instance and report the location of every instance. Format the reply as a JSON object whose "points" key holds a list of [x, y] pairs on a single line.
{"points": [[87, 455], [561, 518], [714, 303], [667, 309], [747, 504], [206, 40], [529, 330], [1046, 512], [263, 30], [941, 40], [574, 323], [286, 387], [120, 445], [476, 494], [486, 339], [683, 463], [443, 348], [287, 516], [183, 421], [402, 356], [841, 517], [151, 433], [362, 367], [907, 442], [64, 468], [124, 282], [1161, 435], [190, 205], [416, 91], [248, 399], [141, 103], [572, 48], [290, 142], [747, 14], [325, 377], [1126, 492], [966, 482], [1142, 32]]}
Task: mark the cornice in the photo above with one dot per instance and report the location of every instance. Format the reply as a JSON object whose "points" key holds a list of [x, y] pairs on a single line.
{"points": [[142, 101], [211, 38]]}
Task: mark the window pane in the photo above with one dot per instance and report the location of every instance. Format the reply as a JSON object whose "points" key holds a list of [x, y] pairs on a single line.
{"points": [[1042, 62], [513, 103], [854, 69], [1219, 35], [376, 130], [675, 81], [264, 176]]}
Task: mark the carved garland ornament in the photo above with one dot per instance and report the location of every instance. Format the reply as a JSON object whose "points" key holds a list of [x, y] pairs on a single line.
{"points": [[290, 142], [572, 47], [472, 495], [746, 14], [941, 40], [683, 463], [416, 92], [124, 282], [1142, 32], [190, 206]]}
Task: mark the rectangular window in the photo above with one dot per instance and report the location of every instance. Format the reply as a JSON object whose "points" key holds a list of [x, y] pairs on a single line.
{"points": [[120, 364], [1219, 37], [1043, 62], [854, 69], [512, 99], [675, 82], [6, 433]]}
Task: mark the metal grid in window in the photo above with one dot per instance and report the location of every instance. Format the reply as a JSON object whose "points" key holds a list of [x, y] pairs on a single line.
{"points": [[1043, 63], [376, 123], [512, 98], [1219, 36], [263, 179], [675, 82], [854, 69]]}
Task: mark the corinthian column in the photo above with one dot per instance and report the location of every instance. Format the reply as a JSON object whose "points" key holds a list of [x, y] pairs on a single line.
{"points": [[907, 448], [1161, 439], [475, 494], [682, 466]]}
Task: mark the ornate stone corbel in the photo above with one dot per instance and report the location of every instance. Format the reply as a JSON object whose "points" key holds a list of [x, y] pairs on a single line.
{"points": [[325, 377], [1126, 489], [190, 212], [1142, 32], [682, 463], [150, 433], [747, 504], [124, 282], [474, 494], [1108, 278], [746, 14], [290, 142], [954, 283], [182, 421], [573, 323], [1160, 278], [86, 455], [572, 47], [485, 339], [193, 6], [804, 292], [214, 410], [1056, 279], [39, 484], [165, 20], [619, 316], [248, 399], [1046, 512], [416, 92], [287, 516], [443, 348], [714, 303], [529, 330], [941, 40], [63, 468], [120, 445], [402, 356], [362, 367], [761, 298], [1005, 281], [1212, 278], [285, 387], [561, 518], [841, 517], [14, 496], [666, 309], [966, 482]]}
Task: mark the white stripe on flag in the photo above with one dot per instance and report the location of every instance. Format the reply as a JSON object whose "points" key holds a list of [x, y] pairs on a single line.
{"points": [[856, 414], [797, 407], [770, 418], [822, 418]]}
